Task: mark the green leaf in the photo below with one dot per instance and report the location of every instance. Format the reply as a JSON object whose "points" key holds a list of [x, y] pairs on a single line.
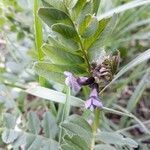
{"points": [[60, 56], [76, 69], [56, 4], [68, 147], [9, 137], [33, 123], [46, 4], [76, 125], [6, 97], [77, 9], [9, 120], [50, 72], [67, 44], [55, 96], [20, 35], [80, 121], [49, 125], [88, 27], [115, 138], [56, 72], [34, 142], [102, 39], [87, 9], [123, 8], [29, 140], [96, 4], [76, 142], [65, 30], [52, 16], [104, 147], [89, 41], [70, 3]]}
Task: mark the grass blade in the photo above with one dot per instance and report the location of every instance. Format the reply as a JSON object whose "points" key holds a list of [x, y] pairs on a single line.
{"points": [[123, 8]]}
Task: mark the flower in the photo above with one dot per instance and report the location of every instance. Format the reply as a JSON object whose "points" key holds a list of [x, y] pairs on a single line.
{"points": [[71, 81], [93, 101], [74, 83], [85, 80]]}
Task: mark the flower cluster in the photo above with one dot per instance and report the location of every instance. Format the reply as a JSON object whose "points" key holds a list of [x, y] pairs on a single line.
{"points": [[76, 83], [93, 101]]}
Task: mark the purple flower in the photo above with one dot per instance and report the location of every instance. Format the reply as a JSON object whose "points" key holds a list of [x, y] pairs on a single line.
{"points": [[93, 101], [85, 80], [74, 83]]}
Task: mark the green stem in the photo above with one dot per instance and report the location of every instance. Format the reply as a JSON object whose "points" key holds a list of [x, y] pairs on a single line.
{"points": [[65, 113], [38, 44], [38, 37], [95, 126]]}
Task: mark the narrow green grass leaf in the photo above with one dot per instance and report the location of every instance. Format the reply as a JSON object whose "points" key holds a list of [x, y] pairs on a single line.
{"points": [[123, 8], [53, 95], [137, 93], [133, 101], [139, 59], [38, 36]]}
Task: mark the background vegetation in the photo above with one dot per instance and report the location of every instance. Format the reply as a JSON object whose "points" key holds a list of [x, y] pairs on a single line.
{"points": [[39, 40]]}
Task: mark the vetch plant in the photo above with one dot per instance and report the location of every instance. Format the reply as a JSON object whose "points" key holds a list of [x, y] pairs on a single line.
{"points": [[78, 57], [76, 84]]}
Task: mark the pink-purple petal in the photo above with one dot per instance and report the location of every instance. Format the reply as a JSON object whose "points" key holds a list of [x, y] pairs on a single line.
{"points": [[71, 81], [88, 104], [97, 103], [67, 74]]}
